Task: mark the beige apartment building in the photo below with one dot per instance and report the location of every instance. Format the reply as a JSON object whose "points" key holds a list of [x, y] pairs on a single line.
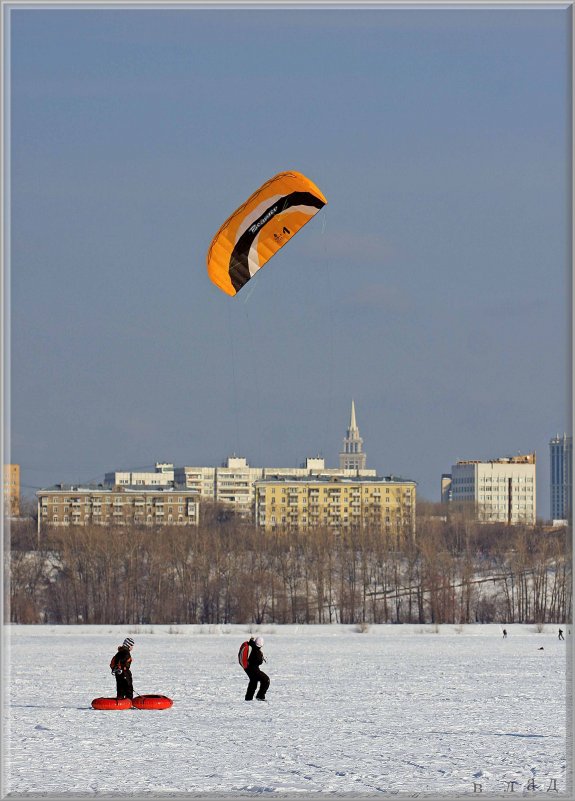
{"points": [[234, 481], [336, 502], [11, 490], [161, 476], [69, 505], [499, 490]]}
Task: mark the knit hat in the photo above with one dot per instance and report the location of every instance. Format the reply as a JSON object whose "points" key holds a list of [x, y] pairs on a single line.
{"points": [[259, 641], [128, 642]]}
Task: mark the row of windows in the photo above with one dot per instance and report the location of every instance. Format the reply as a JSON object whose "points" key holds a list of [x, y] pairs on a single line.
{"points": [[282, 508], [99, 515], [504, 506], [339, 490], [137, 519], [501, 480], [494, 497], [324, 518], [117, 505], [99, 499]]}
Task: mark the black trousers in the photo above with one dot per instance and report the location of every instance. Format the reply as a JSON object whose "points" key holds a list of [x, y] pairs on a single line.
{"points": [[124, 686], [256, 675]]}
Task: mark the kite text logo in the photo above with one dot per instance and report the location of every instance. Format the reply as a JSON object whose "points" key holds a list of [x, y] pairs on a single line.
{"points": [[264, 219]]}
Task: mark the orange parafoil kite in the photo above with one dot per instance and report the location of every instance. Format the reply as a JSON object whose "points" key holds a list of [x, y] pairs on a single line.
{"points": [[260, 227]]}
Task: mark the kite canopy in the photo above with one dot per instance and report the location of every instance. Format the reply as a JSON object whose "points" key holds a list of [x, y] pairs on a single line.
{"points": [[260, 227]]}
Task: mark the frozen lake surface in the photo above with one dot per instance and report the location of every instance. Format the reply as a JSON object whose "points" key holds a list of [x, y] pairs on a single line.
{"points": [[444, 711]]}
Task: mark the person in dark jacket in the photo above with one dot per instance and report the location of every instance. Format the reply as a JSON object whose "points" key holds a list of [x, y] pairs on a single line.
{"points": [[120, 666], [256, 675]]}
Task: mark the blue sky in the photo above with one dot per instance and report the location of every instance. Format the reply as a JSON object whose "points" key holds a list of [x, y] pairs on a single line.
{"points": [[433, 289]]}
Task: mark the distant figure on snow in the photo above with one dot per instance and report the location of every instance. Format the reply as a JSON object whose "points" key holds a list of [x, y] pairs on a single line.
{"points": [[120, 666], [256, 675], [561, 637], [504, 633]]}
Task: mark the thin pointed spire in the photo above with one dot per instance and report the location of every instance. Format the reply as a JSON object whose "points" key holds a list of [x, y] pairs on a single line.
{"points": [[352, 457], [352, 423]]}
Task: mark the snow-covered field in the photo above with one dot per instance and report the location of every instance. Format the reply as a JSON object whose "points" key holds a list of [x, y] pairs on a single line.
{"points": [[445, 711]]}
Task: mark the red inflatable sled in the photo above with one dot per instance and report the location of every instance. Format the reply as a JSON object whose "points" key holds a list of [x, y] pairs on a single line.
{"points": [[152, 702], [112, 703]]}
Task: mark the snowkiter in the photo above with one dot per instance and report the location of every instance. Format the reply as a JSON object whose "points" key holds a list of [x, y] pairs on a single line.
{"points": [[120, 666], [256, 675], [561, 637]]}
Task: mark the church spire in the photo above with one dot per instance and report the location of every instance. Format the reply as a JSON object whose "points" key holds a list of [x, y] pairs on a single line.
{"points": [[352, 423], [352, 457]]}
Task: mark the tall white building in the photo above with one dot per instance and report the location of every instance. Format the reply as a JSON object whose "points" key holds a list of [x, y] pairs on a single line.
{"points": [[501, 490], [162, 476], [561, 463], [234, 481], [446, 480], [352, 457]]}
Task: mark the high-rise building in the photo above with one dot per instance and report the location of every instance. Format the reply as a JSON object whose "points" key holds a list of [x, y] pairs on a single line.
{"points": [[446, 479], [499, 490], [352, 457], [561, 459], [11, 490], [161, 476]]}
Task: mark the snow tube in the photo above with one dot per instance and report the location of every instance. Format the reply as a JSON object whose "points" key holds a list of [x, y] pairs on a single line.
{"points": [[152, 702], [112, 703]]}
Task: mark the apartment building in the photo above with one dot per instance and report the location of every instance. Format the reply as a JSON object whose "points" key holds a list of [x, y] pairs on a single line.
{"points": [[161, 476], [499, 490], [69, 505], [11, 490], [234, 481], [337, 502]]}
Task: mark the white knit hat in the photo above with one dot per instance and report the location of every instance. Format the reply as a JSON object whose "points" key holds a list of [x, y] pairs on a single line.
{"points": [[128, 642], [259, 641]]}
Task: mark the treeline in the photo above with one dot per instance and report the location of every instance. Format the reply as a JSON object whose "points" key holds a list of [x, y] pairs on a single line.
{"points": [[227, 571]]}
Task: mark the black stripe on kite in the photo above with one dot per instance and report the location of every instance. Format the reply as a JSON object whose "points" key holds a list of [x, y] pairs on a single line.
{"points": [[239, 267]]}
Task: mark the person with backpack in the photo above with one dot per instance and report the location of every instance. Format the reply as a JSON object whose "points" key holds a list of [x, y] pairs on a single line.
{"points": [[120, 666], [251, 657]]}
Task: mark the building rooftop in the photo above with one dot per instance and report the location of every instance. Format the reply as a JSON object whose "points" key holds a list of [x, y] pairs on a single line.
{"points": [[272, 479], [131, 488], [526, 458]]}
